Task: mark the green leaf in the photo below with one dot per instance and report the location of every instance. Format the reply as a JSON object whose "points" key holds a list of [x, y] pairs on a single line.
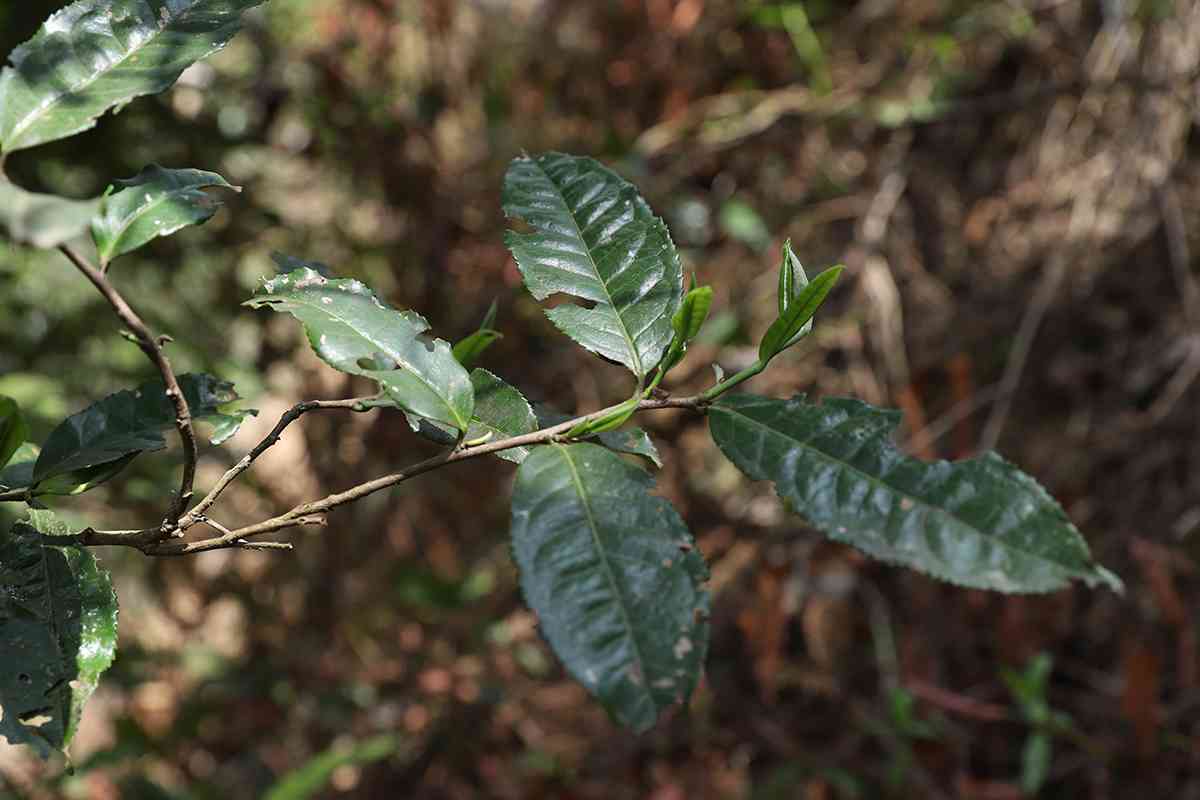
{"points": [[633, 441], [58, 633], [610, 421], [351, 330], [155, 202], [740, 221], [129, 422], [792, 279], [1036, 756], [83, 480], [502, 411], [594, 238], [313, 776], [13, 429], [789, 328], [686, 324], [19, 472], [981, 522], [95, 55], [468, 349], [612, 573], [43, 220]]}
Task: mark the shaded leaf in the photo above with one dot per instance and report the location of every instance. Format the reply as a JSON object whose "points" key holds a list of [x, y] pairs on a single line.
{"points": [[351, 330], [980, 522], [501, 411], [130, 421], [95, 55], [594, 238], [312, 777], [468, 349], [611, 571], [633, 441], [58, 633], [19, 472], [43, 220], [789, 328], [83, 480], [13, 429], [155, 202]]}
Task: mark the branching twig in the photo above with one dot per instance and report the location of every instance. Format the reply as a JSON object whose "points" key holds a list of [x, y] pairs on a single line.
{"points": [[313, 513], [153, 350], [196, 514]]}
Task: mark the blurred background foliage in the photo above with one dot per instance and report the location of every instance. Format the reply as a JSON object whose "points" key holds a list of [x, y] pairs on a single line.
{"points": [[1013, 186]]}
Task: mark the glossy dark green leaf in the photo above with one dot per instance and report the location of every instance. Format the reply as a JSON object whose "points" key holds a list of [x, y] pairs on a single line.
{"points": [[351, 330], [594, 238], [612, 573], [633, 441], [130, 422], [58, 633], [981, 522], [686, 324], [95, 55], [13, 429], [500, 410], [43, 220], [155, 202], [790, 326]]}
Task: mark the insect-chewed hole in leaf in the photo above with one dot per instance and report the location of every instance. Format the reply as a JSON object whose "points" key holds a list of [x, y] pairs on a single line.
{"points": [[427, 341], [36, 718], [379, 362], [567, 300], [24, 678], [519, 225]]}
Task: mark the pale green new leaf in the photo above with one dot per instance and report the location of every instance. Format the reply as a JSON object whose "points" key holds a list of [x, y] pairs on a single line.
{"points": [[155, 202], [13, 429], [43, 220], [127, 423], [792, 279], [502, 411], [789, 328], [981, 522], [612, 573], [58, 633], [351, 330], [95, 55], [594, 238], [686, 324]]}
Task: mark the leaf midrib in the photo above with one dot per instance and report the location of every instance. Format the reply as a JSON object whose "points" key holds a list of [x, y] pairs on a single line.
{"points": [[633, 351], [462, 425], [608, 571], [804, 443]]}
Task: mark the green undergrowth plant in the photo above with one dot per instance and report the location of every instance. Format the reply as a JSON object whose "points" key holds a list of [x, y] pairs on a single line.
{"points": [[609, 567]]}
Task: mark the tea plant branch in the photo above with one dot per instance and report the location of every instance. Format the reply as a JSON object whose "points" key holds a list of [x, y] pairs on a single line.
{"points": [[196, 514], [312, 513], [153, 348]]}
